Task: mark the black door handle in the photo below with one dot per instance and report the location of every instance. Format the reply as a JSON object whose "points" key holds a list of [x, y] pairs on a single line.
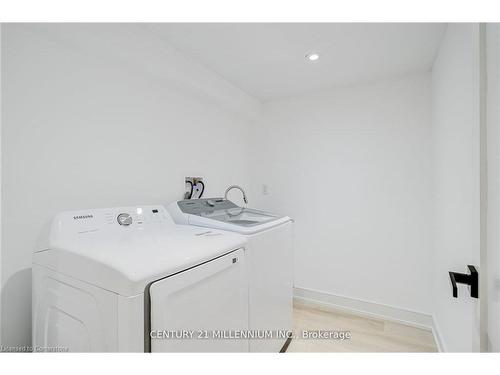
{"points": [[471, 279]]}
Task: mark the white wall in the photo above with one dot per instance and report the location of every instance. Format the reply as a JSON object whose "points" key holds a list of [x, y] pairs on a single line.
{"points": [[493, 130], [456, 146], [103, 115], [352, 167]]}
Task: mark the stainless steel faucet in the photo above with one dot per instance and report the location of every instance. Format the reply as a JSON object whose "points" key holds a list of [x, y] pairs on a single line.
{"points": [[240, 189]]}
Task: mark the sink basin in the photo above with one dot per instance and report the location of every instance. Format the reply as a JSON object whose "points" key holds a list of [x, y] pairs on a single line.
{"points": [[244, 217]]}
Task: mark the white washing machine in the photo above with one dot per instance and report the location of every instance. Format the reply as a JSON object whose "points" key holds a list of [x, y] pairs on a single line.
{"points": [[130, 280], [269, 260]]}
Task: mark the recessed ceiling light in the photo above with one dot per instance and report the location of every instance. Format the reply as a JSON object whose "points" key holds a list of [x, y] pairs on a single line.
{"points": [[312, 56]]}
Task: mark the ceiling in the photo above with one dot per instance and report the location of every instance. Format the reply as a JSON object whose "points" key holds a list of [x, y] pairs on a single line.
{"points": [[268, 60]]}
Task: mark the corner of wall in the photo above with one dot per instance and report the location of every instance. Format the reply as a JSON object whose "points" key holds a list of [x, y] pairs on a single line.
{"points": [[438, 337]]}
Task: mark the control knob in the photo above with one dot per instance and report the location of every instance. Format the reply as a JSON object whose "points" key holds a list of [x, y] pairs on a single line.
{"points": [[124, 219]]}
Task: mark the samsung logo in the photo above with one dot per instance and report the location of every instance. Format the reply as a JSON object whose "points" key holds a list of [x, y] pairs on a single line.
{"points": [[79, 217]]}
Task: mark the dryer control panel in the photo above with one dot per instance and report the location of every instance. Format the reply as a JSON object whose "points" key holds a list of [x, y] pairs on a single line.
{"points": [[130, 216], [104, 219]]}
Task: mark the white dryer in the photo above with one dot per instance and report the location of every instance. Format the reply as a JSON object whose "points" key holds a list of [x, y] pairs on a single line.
{"points": [[269, 260], [130, 280]]}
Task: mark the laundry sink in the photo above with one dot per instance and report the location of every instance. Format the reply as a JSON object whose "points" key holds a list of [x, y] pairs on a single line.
{"points": [[221, 213]]}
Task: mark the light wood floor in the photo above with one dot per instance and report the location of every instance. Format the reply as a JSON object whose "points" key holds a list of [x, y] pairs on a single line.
{"points": [[367, 334]]}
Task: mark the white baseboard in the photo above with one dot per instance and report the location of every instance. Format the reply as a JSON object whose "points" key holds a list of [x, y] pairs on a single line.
{"points": [[369, 309]]}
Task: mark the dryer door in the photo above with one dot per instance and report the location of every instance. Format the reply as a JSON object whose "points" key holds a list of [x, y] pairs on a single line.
{"points": [[201, 309]]}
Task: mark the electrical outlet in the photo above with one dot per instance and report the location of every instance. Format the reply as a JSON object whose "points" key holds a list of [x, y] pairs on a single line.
{"points": [[265, 189]]}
